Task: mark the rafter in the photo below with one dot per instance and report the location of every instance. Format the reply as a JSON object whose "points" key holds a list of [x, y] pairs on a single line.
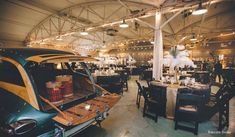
{"points": [[114, 12], [94, 12], [207, 19]]}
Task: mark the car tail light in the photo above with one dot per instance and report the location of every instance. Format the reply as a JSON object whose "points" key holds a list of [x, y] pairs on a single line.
{"points": [[23, 126]]}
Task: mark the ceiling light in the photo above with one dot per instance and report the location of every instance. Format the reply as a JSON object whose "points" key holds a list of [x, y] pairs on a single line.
{"points": [[59, 38], [222, 45], [43, 42], [123, 24], [83, 32], [193, 38], [200, 10]]}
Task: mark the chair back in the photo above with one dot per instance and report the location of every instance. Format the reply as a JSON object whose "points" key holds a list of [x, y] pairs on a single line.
{"points": [[158, 93], [139, 87], [148, 83], [189, 99], [124, 75], [145, 92], [115, 79], [103, 80]]}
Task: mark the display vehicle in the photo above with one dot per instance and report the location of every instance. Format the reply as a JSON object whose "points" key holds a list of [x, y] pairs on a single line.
{"points": [[41, 94]]}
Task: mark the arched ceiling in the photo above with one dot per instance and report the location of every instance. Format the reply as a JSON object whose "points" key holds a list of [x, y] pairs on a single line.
{"points": [[39, 22]]}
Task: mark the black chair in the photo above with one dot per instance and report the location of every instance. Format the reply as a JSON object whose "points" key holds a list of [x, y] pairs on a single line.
{"points": [[219, 102], [188, 109], [158, 93], [116, 88], [147, 75], [148, 83], [125, 77], [104, 82], [202, 77], [116, 85], [139, 94], [151, 106], [215, 96]]}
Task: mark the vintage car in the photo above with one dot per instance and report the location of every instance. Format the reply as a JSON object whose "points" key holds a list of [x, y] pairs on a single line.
{"points": [[41, 94]]}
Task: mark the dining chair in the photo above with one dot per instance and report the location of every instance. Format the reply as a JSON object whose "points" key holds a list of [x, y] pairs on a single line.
{"points": [[116, 85], [219, 102], [151, 106], [139, 93], [148, 82], [104, 82], [189, 112], [158, 93], [124, 77]]}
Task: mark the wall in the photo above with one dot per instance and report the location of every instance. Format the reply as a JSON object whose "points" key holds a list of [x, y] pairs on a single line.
{"points": [[8, 43]]}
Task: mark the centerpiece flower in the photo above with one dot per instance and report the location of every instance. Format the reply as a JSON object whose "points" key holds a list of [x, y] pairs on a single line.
{"points": [[177, 57]]}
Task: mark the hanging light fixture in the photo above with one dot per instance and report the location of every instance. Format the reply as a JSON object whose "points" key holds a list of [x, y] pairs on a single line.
{"points": [[84, 32], [200, 10], [43, 42], [59, 38], [193, 38], [123, 24]]}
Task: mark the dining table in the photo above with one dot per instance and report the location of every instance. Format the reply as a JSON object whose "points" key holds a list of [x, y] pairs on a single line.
{"points": [[202, 76], [171, 94], [104, 74]]}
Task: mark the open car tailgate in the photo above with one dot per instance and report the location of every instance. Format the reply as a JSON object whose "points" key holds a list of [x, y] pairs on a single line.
{"points": [[87, 110]]}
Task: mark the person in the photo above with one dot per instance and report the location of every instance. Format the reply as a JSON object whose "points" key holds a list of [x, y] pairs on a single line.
{"points": [[204, 66], [73, 65], [218, 70]]}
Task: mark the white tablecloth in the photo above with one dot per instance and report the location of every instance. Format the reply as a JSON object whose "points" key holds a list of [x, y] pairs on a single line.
{"points": [[171, 95]]}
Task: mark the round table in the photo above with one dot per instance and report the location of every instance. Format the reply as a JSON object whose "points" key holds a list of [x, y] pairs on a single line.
{"points": [[171, 94]]}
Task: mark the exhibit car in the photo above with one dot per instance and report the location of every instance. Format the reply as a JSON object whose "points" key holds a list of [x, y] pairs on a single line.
{"points": [[41, 94]]}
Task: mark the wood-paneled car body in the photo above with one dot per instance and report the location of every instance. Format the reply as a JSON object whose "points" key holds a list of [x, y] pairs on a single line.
{"points": [[42, 95]]}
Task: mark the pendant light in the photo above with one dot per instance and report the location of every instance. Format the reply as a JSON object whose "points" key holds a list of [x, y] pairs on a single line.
{"points": [[59, 38], [193, 38], [123, 24], [84, 32], [200, 10]]}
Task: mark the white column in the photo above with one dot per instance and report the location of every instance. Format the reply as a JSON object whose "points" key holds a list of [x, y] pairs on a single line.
{"points": [[158, 49]]}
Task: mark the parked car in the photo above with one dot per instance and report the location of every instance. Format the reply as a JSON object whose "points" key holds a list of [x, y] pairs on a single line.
{"points": [[42, 95]]}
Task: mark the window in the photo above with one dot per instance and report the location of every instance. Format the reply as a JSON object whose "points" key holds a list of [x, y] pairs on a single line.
{"points": [[10, 74]]}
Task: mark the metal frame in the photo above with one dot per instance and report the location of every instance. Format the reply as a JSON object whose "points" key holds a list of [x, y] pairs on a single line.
{"points": [[54, 25], [59, 19]]}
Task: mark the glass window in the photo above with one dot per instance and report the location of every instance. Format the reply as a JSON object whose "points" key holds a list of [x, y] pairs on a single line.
{"points": [[10, 74]]}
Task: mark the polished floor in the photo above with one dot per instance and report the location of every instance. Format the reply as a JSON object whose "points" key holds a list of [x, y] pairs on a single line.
{"points": [[125, 120]]}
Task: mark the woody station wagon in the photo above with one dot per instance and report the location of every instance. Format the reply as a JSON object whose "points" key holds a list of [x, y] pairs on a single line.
{"points": [[42, 95]]}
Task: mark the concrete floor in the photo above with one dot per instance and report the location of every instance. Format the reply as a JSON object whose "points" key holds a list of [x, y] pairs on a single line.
{"points": [[125, 120]]}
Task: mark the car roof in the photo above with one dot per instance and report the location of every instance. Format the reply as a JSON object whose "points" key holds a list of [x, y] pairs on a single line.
{"points": [[21, 54]]}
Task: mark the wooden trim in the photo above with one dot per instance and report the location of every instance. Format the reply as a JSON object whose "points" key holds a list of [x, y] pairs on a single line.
{"points": [[59, 58], [31, 97], [41, 58], [15, 89]]}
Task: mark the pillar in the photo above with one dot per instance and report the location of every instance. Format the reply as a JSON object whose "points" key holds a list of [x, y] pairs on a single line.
{"points": [[158, 48]]}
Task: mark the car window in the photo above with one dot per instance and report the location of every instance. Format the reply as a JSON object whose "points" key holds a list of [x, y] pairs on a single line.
{"points": [[10, 74]]}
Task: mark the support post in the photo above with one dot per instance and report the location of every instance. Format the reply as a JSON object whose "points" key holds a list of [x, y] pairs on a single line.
{"points": [[158, 48]]}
